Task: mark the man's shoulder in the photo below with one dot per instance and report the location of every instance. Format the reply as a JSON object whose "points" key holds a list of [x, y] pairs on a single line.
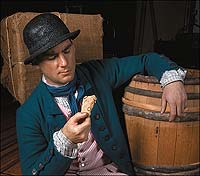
{"points": [[32, 100], [95, 64]]}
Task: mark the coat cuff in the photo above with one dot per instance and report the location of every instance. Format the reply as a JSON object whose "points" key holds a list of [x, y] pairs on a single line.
{"points": [[171, 76], [64, 146]]}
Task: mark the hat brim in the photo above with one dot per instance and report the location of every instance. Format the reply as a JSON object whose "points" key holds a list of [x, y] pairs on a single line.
{"points": [[71, 35]]}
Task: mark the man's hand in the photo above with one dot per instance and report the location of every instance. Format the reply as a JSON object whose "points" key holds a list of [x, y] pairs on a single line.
{"points": [[75, 131], [174, 93]]}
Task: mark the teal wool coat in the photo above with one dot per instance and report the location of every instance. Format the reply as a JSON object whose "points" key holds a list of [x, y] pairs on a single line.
{"points": [[39, 117]]}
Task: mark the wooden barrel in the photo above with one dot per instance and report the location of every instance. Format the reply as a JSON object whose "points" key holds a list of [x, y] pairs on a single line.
{"points": [[160, 147]]}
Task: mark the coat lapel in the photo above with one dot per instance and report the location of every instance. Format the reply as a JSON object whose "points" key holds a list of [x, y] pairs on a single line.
{"points": [[88, 85], [53, 114]]}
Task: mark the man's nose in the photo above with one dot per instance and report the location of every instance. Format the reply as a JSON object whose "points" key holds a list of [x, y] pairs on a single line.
{"points": [[62, 60]]}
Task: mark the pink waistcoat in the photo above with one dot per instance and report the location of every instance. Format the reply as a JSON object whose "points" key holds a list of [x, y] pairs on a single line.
{"points": [[91, 159]]}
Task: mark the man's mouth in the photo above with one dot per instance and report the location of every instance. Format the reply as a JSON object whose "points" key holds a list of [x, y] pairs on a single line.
{"points": [[65, 72]]}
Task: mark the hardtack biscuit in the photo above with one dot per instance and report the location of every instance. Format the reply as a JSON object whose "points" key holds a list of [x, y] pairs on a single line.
{"points": [[88, 104]]}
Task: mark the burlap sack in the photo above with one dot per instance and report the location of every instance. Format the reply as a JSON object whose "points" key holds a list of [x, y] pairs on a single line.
{"points": [[20, 79]]}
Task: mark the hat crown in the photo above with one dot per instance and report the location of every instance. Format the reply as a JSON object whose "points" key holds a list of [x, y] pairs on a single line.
{"points": [[42, 30]]}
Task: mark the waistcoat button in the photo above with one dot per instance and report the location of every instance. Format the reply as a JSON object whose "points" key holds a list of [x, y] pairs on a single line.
{"points": [[83, 159], [82, 164]]}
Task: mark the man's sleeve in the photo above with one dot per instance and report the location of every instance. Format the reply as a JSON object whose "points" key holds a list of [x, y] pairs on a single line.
{"points": [[118, 70]]}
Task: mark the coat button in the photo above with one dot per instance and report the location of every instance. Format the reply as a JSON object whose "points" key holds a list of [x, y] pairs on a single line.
{"points": [[114, 147], [106, 138], [130, 167], [102, 128], [34, 171], [97, 117], [121, 155], [41, 166], [57, 128], [172, 64], [51, 151]]}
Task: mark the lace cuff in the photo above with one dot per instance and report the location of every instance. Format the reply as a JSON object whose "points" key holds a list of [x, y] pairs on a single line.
{"points": [[64, 145], [171, 76]]}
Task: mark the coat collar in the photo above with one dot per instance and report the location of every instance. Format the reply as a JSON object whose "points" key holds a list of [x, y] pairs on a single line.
{"points": [[49, 104]]}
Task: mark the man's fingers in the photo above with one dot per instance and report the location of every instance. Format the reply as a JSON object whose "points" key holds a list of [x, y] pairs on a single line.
{"points": [[83, 123], [179, 110], [185, 104], [80, 116], [163, 105], [172, 114]]}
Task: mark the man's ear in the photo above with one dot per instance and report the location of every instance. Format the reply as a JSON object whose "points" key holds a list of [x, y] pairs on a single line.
{"points": [[37, 67], [74, 48]]}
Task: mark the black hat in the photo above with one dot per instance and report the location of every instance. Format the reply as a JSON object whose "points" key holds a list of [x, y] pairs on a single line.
{"points": [[44, 32]]}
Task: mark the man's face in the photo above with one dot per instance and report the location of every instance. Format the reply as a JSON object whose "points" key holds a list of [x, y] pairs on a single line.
{"points": [[58, 64]]}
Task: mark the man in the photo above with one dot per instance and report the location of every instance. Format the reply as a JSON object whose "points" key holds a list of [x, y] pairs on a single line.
{"points": [[52, 140]]}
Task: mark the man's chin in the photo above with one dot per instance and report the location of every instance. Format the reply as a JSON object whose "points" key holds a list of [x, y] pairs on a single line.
{"points": [[68, 79]]}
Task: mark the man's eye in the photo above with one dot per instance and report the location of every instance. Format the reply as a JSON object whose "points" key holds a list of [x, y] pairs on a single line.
{"points": [[66, 51], [52, 57]]}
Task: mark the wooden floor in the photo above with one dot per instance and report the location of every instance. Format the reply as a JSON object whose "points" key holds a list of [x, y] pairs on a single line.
{"points": [[10, 164]]}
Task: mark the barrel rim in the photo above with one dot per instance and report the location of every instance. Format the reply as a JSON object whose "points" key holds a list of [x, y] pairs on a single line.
{"points": [[156, 94], [167, 169], [143, 113]]}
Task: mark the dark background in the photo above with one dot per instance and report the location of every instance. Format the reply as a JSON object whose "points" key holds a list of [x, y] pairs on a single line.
{"points": [[121, 18]]}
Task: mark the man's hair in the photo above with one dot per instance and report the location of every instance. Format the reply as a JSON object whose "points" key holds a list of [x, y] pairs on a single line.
{"points": [[38, 59]]}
